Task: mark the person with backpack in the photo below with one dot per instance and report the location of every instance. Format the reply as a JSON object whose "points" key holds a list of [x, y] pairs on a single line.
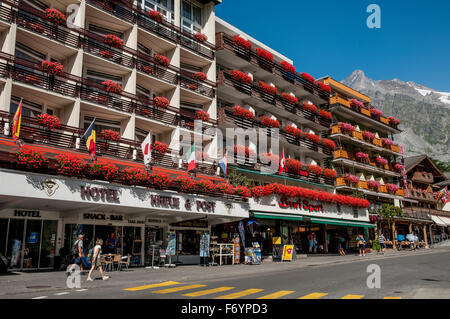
{"points": [[382, 240], [77, 253], [361, 245], [96, 260]]}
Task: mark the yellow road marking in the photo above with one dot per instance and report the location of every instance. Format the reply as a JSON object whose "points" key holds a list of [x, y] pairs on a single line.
{"points": [[353, 297], [167, 291], [207, 292], [240, 294], [392, 298], [314, 295], [277, 294], [161, 284]]}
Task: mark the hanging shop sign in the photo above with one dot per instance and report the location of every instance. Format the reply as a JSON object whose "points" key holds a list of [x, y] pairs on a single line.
{"points": [[99, 193], [300, 204], [288, 250]]}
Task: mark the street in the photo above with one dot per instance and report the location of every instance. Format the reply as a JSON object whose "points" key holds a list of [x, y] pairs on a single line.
{"points": [[404, 275]]}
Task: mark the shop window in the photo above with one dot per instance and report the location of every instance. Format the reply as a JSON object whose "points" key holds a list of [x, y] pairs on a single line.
{"points": [[32, 242], [48, 243]]}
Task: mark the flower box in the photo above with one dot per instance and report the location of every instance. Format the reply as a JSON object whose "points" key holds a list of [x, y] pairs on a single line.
{"points": [[312, 137], [54, 68], [381, 160], [362, 156], [242, 191], [393, 121], [375, 113], [110, 135], [55, 16], [392, 188], [243, 113], [134, 176], [241, 76], [351, 179], [310, 107], [50, 121], [365, 111], [202, 115], [205, 185], [294, 131], [268, 122], [289, 98], [161, 60], [37, 27], [113, 41], [155, 15], [106, 54], [160, 101], [102, 170], [293, 166], [328, 143], [287, 67], [226, 189], [329, 173], [201, 37], [324, 87], [186, 184], [70, 165], [307, 77], [241, 42], [112, 87], [315, 169], [356, 103], [347, 128], [159, 181], [374, 185], [387, 143], [30, 159], [264, 54], [368, 136], [160, 147], [269, 89], [325, 114], [199, 76], [357, 135]]}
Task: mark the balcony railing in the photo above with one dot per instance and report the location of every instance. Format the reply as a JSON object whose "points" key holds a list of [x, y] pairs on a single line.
{"points": [[193, 85], [359, 137], [362, 185], [275, 101], [337, 99], [224, 41], [428, 196], [6, 14]]}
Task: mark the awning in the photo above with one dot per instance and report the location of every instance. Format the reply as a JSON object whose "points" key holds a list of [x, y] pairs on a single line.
{"points": [[438, 221], [446, 220], [315, 220]]}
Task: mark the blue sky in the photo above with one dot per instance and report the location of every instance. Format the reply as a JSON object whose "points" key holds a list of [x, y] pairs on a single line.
{"points": [[330, 37]]}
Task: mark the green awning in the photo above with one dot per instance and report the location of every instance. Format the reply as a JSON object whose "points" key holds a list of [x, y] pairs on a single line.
{"points": [[314, 220]]}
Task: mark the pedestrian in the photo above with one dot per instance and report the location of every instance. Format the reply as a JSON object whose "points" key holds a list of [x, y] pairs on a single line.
{"points": [[361, 244], [312, 242], [77, 253], [382, 240], [111, 242], [96, 260]]}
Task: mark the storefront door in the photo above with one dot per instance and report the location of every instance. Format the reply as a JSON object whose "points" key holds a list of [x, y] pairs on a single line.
{"points": [[15, 241], [3, 235]]}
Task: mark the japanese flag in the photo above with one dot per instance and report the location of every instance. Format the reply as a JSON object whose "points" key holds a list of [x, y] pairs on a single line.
{"points": [[146, 148]]}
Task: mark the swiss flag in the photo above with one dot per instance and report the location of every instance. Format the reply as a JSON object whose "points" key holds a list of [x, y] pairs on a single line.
{"points": [[146, 149], [281, 169]]}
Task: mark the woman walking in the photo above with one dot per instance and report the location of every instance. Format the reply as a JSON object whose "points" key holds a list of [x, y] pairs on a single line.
{"points": [[96, 260], [361, 244]]}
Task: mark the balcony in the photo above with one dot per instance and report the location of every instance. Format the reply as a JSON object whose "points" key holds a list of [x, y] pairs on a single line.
{"points": [[358, 139], [242, 58], [254, 95], [422, 196], [348, 158], [191, 85], [342, 106]]}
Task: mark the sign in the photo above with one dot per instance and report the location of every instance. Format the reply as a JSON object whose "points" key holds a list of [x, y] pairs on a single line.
{"points": [[276, 240], [288, 250], [27, 213], [94, 216], [171, 241], [50, 187], [33, 239], [192, 223], [204, 245], [285, 203], [97, 193], [164, 201]]}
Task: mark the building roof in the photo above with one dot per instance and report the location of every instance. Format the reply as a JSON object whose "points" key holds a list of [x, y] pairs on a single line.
{"points": [[412, 161]]}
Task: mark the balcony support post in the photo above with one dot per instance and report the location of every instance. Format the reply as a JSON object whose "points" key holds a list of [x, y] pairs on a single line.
{"points": [[425, 238]]}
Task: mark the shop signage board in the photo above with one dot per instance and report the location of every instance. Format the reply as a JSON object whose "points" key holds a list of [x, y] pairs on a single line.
{"points": [[171, 241], [288, 250]]}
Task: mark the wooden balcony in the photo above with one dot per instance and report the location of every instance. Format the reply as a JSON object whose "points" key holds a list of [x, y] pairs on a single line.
{"points": [[363, 186]]}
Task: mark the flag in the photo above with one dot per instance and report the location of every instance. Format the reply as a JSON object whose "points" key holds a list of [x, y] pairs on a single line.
{"points": [[16, 122], [89, 137], [224, 164], [190, 158], [443, 195], [282, 164], [146, 149]]}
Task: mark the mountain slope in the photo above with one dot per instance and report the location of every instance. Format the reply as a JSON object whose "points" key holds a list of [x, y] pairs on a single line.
{"points": [[424, 113]]}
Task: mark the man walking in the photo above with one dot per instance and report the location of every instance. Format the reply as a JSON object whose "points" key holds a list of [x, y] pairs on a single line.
{"points": [[77, 253], [382, 240]]}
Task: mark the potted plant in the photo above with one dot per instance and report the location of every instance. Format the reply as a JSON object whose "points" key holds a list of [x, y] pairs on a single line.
{"points": [[267, 121], [112, 87], [324, 87], [351, 179], [160, 147], [156, 15], [161, 60], [347, 128], [113, 41], [53, 68], [315, 169], [368, 136], [312, 137], [54, 16], [103, 170], [201, 37], [243, 113], [199, 76], [110, 135], [362, 156], [329, 173], [289, 68], [186, 184], [134, 176], [202, 115], [70, 165], [241, 42], [325, 114], [264, 54], [30, 159], [310, 107], [294, 131], [266, 88], [226, 189], [241, 77], [307, 77], [293, 166], [374, 185], [159, 180], [242, 191]]}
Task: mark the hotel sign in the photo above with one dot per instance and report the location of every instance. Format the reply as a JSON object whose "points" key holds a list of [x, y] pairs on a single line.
{"points": [[97, 193]]}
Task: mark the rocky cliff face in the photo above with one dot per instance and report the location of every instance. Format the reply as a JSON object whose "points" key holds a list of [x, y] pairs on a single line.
{"points": [[424, 113]]}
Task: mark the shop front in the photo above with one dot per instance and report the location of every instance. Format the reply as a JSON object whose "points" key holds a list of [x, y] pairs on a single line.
{"points": [[43, 215]]}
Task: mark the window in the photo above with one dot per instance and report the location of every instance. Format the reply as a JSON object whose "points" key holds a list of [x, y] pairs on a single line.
{"points": [[140, 135], [102, 124], [37, 4], [99, 77], [143, 49], [191, 17], [191, 68], [28, 108], [143, 92], [166, 7], [27, 53], [104, 31]]}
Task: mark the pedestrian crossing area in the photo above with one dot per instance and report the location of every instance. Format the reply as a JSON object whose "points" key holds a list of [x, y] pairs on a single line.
{"points": [[179, 290]]}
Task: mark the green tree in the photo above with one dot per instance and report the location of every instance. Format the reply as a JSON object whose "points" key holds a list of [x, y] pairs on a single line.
{"points": [[388, 212], [237, 179]]}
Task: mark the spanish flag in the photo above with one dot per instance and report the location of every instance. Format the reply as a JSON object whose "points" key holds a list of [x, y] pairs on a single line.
{"points": [[16, 122], [90, 138]]}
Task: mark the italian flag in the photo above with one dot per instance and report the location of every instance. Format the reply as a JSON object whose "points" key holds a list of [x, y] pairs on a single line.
{"points": [[190, 158]]}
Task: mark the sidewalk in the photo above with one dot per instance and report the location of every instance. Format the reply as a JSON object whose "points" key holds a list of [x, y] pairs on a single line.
{"points": [[19, 283]]}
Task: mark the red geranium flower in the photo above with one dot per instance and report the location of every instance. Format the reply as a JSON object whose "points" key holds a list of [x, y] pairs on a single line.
{"points": [[160, 101], [324, 87], [307, 77], [160, 147], [293, 131], [310, 107], [267, 121], [288, 67], [289, 98], [237, 40], [243, 113], [268, 88], [241, 76], [264, 54], [199, 76], [325, 114], [202, 115]]}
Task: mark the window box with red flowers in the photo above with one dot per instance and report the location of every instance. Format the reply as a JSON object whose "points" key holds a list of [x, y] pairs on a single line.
{"points": [[381, 161], [156, 15], [399, 167], [347, 128], [110, 135], [356, 103], [112, 87], [267, 121], [351, 179], [293, 166], [134, 176], [328, 143], [107, 54], [264, 54], [160, 101], [186, 184], [242, 191], [202, 115], [329, 173], [368, 136], [375, 185], [50, 121], [159, 180], [294, 131], [387, 142], [241, 77], [310, 107], [113, 41], [70, 165], [226, 189], [392, 188], [312, 137], [199, 76], [362, 156], [267, 88], [55, 16], [201, 37], [147, 69], [30, 159], [289, 98], [37, 27], [33, 79], [243, 113], [161, 60], [241, 42], [192, 86], [375, 113], [54, 68], [241, 150], [324, 87], [287, 67], [205, 185], [393, 121], [160, 147], [315, 169], [104, 171], [307, 77], [102, 99], [325, 114], [267, 158]]}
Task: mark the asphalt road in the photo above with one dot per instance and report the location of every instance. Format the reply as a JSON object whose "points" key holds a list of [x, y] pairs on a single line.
{"points": [[412, 276]]}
